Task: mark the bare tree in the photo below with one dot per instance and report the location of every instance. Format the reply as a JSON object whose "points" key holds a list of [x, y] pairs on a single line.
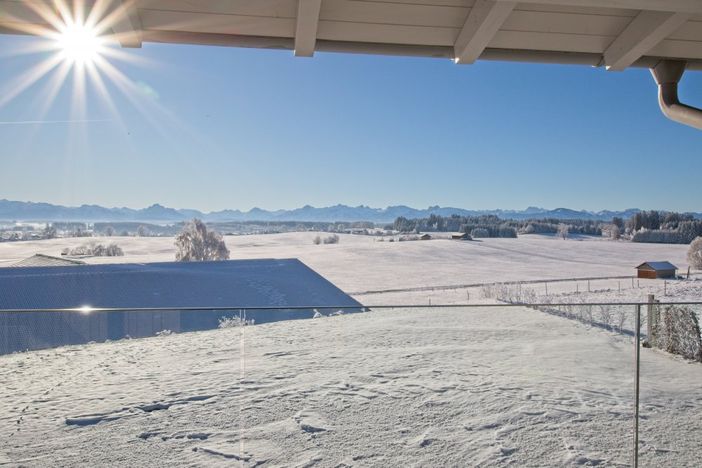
{"points": [[196, 244], [109, 231], [694, 255], [142, 231]]}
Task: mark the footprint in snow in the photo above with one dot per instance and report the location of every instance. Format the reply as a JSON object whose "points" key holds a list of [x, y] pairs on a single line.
{"points": [[310, 422]]}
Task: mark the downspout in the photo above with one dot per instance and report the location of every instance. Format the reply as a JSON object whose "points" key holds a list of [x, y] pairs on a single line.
{"points": [[667, 74]]}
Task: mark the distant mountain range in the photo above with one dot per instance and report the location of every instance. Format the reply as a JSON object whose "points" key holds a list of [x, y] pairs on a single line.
{"points": [[29, 211]]}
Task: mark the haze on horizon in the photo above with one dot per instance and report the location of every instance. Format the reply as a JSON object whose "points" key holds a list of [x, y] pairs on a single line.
{"points": [[221, 128]]}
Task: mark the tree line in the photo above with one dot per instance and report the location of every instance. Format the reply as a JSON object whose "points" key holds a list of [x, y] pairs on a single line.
{"points": [[494, 226], [645, 226], [476, 226], [662, 227]]}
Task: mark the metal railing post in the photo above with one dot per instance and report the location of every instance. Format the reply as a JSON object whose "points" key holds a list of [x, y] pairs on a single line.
{"points": [[637, 353], [649, 320]]}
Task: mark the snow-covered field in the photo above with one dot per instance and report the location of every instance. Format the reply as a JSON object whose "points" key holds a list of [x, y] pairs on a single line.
{"points": [[361, 264], [401, 387], [421, 387]]}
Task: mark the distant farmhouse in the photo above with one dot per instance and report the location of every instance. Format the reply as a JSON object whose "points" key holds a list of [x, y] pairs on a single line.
{"points": [[425, 237], [655, 270], [463, 236], [238, 284], [41, 260]]}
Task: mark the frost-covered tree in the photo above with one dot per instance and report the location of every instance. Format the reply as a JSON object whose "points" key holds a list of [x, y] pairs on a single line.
{"points": [[619, 222], [333, 239], [317, 240], [49, 232], [95, 250], [142, 231], [563, 230], [109, 231], [694, 254], [614, 232], [677, 330], [479, 233], [196, 244]]}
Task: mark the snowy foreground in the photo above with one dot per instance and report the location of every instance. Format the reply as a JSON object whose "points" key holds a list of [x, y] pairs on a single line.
{"points": [[441, 387]]}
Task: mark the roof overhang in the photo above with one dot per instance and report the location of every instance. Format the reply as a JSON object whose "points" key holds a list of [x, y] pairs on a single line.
{"points": [[614, 34], [611, 33]]}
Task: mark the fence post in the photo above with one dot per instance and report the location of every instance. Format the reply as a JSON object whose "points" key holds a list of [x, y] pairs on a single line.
{"points": [[637, 354], [649, 319]]}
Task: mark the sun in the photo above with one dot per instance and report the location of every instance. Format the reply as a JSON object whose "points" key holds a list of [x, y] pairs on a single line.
{"points": [[79, 44]]}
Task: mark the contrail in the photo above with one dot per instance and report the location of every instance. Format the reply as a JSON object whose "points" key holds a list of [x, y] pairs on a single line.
{"points": [[34, 122]]}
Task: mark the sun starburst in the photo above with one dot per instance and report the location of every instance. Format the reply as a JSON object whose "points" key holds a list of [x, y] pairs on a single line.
{"points": [[78, 48]]}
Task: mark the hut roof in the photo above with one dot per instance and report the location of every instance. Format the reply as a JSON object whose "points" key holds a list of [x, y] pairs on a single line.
{"points": [[43, 260], [657, 266]]}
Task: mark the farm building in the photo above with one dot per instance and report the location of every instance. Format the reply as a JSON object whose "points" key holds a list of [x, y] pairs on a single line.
{"points": [[654, 270], [425, 237], [463, 236], [42, 260], [237, 283]]}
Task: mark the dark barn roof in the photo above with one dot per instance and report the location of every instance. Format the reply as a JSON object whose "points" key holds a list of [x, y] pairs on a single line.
{"points": [[657, 266], [39, 260], [234, 283]]}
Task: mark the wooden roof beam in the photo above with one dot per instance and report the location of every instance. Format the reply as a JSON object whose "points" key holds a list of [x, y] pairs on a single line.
{"points": [[693, 7], [306, 29], [643, 33], [483, 21]]}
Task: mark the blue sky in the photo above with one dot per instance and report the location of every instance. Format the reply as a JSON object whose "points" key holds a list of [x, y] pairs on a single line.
{"points": [[213, 128]]}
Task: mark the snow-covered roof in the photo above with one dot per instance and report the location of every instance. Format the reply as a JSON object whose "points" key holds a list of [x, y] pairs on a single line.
{"points": [[234, 283], [616, 34], [38, 260], [657, 266]]}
